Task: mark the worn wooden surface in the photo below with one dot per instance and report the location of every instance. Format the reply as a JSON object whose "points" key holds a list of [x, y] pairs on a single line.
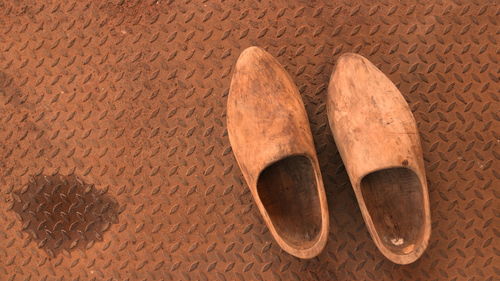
{"points": [[132, 98], [378, 140], [271, 139]]}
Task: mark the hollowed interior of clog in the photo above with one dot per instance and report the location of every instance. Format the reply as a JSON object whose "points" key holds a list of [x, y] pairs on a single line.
{"points": [[394, 201], [288, 191]]}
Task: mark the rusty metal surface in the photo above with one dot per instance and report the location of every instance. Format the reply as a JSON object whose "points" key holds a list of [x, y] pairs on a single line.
{"points": [[129, 97]]}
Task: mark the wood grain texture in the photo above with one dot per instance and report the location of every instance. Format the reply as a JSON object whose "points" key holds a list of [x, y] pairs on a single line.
{"points": [[378, 141], [270, 136]]}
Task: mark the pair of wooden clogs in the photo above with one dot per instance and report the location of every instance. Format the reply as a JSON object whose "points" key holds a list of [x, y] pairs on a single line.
{"points": [[377, 138]]}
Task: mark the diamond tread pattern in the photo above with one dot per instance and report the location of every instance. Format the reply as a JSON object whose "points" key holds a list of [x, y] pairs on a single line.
{"points": [[130, 97]]}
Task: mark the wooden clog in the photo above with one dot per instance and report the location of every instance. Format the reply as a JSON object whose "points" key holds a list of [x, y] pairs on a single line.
{"points": [[378, 141], [271, 139]]}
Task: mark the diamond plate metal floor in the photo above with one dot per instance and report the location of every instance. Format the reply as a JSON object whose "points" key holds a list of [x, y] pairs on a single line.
{"points": [[129, 97]]}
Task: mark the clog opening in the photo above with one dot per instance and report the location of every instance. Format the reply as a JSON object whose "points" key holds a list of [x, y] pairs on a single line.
{"points": [[288, 191], [394, 200]]}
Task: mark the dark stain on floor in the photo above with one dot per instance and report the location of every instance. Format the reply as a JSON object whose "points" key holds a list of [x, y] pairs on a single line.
{"points": [[64, 213]]}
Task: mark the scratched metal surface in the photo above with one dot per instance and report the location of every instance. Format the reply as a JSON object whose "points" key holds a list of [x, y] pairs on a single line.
{"points": [[123, 103]]}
